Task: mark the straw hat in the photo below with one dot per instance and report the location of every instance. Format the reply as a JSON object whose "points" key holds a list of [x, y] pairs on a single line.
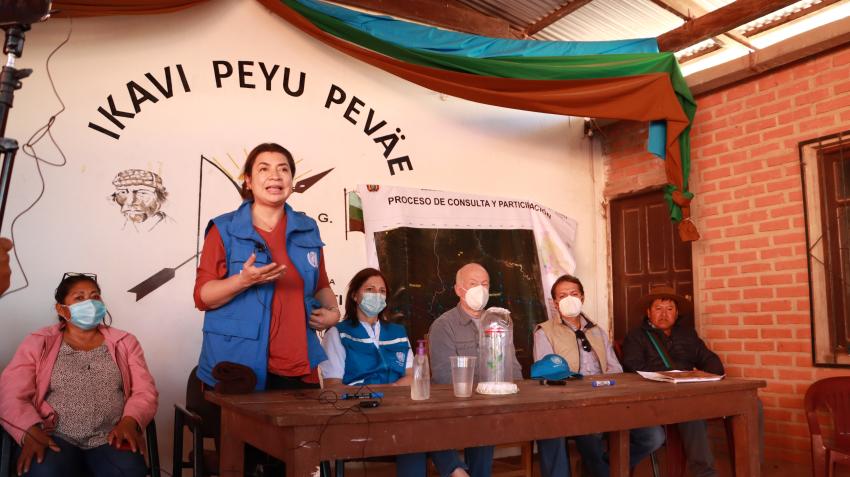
{"points": [[664, 292]]}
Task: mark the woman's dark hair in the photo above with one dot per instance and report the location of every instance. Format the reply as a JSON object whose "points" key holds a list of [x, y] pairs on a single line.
{"points": [[567, 278], [252, 156], [356, 282], [68, 281]]}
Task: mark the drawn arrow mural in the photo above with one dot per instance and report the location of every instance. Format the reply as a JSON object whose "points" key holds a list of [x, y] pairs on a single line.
{"points": [[164, 275]]}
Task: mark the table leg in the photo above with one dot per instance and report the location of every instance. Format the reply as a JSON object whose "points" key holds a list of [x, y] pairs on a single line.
{"points": [[618, 452], [232, 448], [745, 431], [303, 462]]}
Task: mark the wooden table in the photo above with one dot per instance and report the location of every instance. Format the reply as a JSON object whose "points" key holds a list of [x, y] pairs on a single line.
{"points": [[301, 430]]}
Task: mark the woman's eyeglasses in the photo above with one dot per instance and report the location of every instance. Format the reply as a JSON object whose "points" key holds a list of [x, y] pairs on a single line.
{"points": [[585, 344], [93, 276]]}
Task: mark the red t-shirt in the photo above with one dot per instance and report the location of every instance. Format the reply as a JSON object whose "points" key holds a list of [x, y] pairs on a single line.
{"points": [[288, 328]]}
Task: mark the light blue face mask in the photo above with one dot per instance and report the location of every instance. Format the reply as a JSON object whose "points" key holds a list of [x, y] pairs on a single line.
{"points": [[87, 314], [372, 303]]}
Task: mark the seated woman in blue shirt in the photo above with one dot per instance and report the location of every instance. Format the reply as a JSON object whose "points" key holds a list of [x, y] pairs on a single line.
{"points": [[365, 349]]}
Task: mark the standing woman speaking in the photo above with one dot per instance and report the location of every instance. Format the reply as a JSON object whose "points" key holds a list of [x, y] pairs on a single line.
{"points": [[262, 282]]}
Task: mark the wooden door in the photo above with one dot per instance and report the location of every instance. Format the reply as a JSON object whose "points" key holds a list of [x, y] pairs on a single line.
{"points": [[645, 250]]}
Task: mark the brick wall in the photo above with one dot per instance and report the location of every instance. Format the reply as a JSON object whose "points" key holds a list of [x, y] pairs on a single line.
{"points": [[752, 284]]}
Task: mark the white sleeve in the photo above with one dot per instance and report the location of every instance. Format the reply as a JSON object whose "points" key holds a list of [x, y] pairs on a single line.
{"points": [[334, 366], [542, 346], [409, 363]]}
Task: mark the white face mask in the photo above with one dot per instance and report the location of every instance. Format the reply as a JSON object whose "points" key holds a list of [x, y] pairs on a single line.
{"points": [[476, 297], [569, 306]]}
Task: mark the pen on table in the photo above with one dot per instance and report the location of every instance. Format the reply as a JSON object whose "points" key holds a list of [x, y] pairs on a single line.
{"points": [[600, 383]]}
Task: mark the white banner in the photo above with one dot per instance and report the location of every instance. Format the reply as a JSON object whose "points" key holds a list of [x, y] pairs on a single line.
{"points": [[386, 208]]}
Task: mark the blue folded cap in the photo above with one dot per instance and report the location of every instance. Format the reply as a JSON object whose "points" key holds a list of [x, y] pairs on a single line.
{"points": [[552, 367]]}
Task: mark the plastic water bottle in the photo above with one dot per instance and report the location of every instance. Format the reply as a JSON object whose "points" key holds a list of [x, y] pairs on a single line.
{"points": [[421, 387]]}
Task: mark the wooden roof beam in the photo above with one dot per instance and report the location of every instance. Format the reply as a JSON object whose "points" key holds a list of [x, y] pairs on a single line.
{"points": [[554, 16], [688, 10], [439, 13], [718, 22]]}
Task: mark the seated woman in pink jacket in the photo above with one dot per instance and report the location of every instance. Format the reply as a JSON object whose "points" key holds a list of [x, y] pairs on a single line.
{"points": [[77, 394]]}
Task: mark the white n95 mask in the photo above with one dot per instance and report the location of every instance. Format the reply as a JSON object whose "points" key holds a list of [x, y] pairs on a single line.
{"points": [[570, 306], [476, 297]]}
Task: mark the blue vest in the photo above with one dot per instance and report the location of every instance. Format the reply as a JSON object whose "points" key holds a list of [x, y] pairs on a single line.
{"points": [[363, 361], [239, 330]]}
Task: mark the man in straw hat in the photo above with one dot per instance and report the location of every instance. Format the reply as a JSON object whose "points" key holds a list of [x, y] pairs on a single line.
{"points": [[662, 343]]}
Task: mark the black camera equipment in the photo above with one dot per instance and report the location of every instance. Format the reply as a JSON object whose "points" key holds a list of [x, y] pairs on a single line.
{"points": [[16, 16]]}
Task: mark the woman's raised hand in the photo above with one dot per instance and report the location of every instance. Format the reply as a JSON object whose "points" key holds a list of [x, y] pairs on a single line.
{"points": [[251, 275]]}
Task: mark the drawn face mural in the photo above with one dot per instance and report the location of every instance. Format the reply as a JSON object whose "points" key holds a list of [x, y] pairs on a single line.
{"points": [[140, 194]]}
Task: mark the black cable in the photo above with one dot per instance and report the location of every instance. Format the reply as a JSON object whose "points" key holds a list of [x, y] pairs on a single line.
{"points": [[200, 190], [330, 397], [29, 150]]}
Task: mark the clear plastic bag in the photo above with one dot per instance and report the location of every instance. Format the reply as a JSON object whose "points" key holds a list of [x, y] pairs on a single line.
{"points": [[495, 350]]}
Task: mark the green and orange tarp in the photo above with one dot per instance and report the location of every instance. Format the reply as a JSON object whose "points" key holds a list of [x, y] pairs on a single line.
{"points": [[634, 86], [641, 87]]}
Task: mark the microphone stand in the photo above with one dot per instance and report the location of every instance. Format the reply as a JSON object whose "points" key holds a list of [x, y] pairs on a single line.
{"points": [[10, 80]]}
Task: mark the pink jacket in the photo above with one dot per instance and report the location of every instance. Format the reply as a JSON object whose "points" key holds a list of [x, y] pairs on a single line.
{"points": [[25, 381]]}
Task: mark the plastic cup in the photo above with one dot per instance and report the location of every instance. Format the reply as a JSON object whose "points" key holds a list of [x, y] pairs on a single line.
{"points": [[463, 373]]}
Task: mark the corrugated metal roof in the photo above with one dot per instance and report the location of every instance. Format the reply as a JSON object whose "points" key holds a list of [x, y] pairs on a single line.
{"points": [[711, 5], [597, 20], [624, 19], [519, 14], [612, 20]]}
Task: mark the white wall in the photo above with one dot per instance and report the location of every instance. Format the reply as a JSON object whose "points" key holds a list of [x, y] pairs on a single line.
{"points": [[453, 145]]}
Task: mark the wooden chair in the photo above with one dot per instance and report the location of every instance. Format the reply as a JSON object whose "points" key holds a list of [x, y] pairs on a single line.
{"points": [[833, 396], [7, 445], [676, 459], [201, 419], [525, 465], [153, 449]]}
